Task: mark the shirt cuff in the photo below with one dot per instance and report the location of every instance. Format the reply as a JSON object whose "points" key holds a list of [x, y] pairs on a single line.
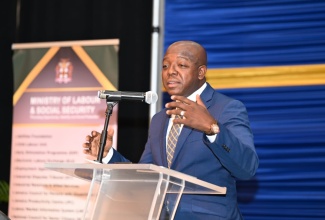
{"points": [[108, 156]]}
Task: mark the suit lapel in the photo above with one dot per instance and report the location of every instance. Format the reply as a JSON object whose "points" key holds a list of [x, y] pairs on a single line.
{"points": [[164, 126], [206, 96]]}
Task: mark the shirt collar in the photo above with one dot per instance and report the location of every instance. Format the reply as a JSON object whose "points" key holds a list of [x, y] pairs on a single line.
{"points": [[192, 97]]}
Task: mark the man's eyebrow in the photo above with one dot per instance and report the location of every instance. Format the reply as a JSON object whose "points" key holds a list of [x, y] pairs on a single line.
{"points": [[188, 56], [183, 57]]}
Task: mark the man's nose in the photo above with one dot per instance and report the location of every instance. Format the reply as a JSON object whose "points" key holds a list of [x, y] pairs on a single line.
{"points": [[172, 70]]}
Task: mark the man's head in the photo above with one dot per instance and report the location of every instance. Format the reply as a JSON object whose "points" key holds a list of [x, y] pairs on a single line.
{"points": [[184, 68]]}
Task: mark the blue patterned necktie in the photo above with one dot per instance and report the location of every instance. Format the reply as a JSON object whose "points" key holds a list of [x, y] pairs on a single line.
{"points": [[172, 141]]}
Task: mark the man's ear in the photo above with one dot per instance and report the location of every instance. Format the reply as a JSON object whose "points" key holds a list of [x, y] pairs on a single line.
{"points": [[202, 71]]}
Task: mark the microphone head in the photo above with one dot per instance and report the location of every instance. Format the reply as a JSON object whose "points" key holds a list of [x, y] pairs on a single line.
{"points": [[151, 97]]}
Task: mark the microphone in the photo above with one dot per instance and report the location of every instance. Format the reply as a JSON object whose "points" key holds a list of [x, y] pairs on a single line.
{"points": [[149, 97]]}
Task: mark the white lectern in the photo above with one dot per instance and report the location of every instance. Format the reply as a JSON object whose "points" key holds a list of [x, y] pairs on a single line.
{"points": [[133, 191]]}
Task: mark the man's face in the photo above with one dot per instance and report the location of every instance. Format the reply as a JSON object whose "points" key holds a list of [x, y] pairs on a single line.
{"points": [[180, 72]]}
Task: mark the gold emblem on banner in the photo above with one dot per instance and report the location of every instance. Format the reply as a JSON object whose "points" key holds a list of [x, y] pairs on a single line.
{"points": [[63, 71]]}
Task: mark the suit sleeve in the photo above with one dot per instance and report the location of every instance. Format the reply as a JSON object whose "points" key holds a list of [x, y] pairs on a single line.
{"points": [[118, 158], [234, 145]]}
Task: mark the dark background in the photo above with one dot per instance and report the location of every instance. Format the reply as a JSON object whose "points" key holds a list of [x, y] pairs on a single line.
{"points": [[56, 20]]}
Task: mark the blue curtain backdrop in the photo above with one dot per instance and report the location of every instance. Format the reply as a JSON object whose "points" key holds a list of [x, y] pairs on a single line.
{"points": [[249, 33], [288, 122], [289, 126]]}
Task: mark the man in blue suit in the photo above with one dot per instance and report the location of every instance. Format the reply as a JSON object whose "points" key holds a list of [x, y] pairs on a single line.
{"points": [[215, 143]]}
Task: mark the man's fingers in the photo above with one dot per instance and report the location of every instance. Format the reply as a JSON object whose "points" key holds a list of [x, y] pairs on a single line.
{"points": [[176, 105], [180, 98], [94, 133], [110, 133], [199, 100], [88, 138], [85, 145]]}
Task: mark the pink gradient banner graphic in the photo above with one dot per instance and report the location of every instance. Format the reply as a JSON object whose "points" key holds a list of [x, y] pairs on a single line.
{"points": [[55, 107]]}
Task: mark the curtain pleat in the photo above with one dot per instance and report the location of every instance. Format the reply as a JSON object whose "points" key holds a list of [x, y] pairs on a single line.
{"points": [[289, 132]]}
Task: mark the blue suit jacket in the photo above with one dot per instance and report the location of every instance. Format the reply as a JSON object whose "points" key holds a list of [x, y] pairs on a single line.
{"points": [[232, 156]]}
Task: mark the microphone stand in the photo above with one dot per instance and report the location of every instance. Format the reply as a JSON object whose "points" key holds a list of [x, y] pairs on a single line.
{"points": [[108, 113]]}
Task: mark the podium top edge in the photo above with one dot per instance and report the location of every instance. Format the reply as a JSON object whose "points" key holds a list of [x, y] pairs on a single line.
{"points": [[149, 167]]}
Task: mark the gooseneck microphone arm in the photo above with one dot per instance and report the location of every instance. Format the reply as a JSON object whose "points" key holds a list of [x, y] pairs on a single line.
{"points": [[108, 113]]}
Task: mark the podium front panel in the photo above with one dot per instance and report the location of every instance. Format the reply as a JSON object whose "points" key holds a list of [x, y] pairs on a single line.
{"points": [[128, 194], [133, 191]]}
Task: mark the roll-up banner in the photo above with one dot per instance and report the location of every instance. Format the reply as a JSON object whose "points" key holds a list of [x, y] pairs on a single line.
{"points": [[56, 105]]}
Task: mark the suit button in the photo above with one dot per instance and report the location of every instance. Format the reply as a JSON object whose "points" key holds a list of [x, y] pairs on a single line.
{"points": [[226, 148]]}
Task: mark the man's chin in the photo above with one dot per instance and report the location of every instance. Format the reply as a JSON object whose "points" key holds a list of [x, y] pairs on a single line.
{"points": [[173, 92]]}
